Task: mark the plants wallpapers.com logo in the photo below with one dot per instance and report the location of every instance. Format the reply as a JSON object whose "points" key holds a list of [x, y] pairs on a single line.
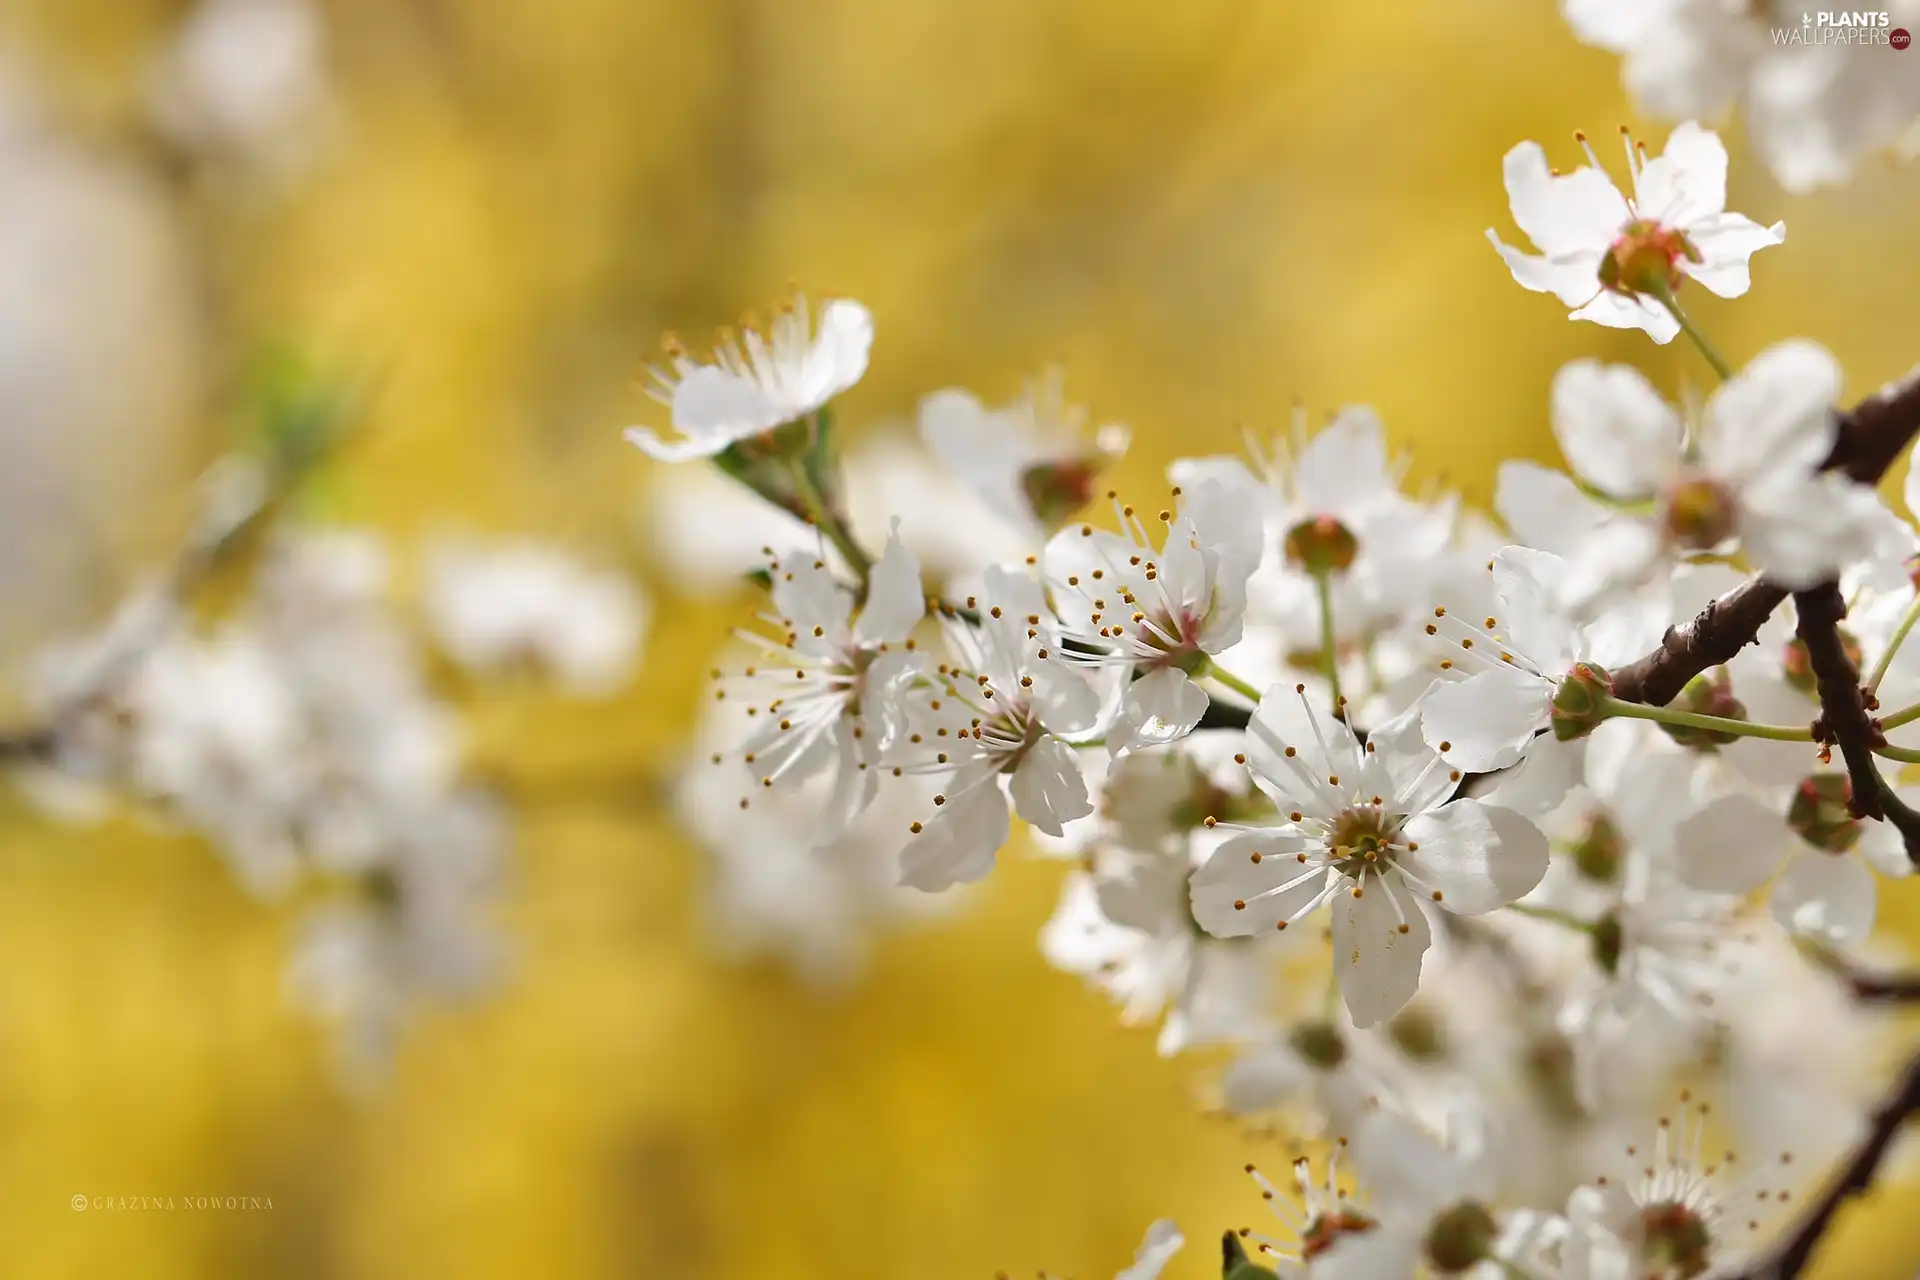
{"points": [[1841, 27]]}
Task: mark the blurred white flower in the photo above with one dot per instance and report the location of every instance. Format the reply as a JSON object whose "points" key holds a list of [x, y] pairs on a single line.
{"points": [[521, 603], [245, 81]]}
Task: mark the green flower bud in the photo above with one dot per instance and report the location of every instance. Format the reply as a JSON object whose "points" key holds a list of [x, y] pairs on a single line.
{"points": [[1821, 812], [1609, 941], [1461, 1237], [1708, 696], [1578, 701], [1319, 1044], [1598, 853]]}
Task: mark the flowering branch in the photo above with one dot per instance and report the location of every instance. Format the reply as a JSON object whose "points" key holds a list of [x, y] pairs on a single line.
{"points": [[1872, 435], [1790, 1257]]}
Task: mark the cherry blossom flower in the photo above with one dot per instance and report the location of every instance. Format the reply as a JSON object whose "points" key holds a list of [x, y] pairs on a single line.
{"points": [[1609, 256], [522, 602], [1370, 828], [1005, 709], [756, 382], [1502, 713], [1033, 463], [832, 697], [1155, 615], [1748, 477]]}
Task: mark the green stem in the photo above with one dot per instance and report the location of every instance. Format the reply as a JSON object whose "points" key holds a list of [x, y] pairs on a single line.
{"points": [[1713, 357], [1553, 915], [1610, 707], [829, 522], [1905, 755], [1893, 645], [1905, 715], [1323, 586], [1222, 676]]}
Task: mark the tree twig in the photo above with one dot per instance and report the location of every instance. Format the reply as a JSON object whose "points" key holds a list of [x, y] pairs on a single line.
{"points": [[1844, 721]]}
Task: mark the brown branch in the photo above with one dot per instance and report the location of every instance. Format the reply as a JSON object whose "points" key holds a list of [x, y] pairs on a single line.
{"points": [[1790, 1257], [1711, 639], [1844, 720], [1869, 987]]}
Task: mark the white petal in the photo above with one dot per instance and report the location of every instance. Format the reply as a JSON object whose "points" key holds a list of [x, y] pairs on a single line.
{"points": [[1479, 856], [1159, 708], [1774, 416], [1384, 1253], [1064, 700], [1687, 181], [1419, 778], [1630, 311], [1731, 846], [683, 450], [1615, 430], [1378, 966], [1541, 780], [958, 846], [883, 698], [1725, 242], [1910, 490], [1231, 874], [1048, 787], [1412, 1177], [1323, 747], [1486, 722], [1883, 848], [1162, 1242], [1801, 532], [839, 355], [1526, 580], [1347, 458], [713, 405], [808, 596], [1573, 278], [1564, 213], [1262, 1078], [854, 787], [1827, 896], [896, 600], [1544, 508]]}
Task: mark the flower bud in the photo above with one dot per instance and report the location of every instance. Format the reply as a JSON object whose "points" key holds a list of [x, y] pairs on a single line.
{"points": [[1799, 663], [1599, 851], [1321, 545], [1461, 1237], [1319, 1044], [1708, 696], [1822, 814], [1609, 942], [1417, 1033], [1578, 702]]}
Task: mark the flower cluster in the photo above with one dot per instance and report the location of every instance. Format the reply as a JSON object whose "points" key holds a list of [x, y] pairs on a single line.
{"points": [[1376, 792], [302, 736]]}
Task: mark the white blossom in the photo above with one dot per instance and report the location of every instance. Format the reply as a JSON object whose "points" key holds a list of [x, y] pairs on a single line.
{"points": [[758, 381], [1605, 254]]}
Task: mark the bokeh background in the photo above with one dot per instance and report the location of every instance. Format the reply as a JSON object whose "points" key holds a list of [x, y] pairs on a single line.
{"points": [[1204, 211]]}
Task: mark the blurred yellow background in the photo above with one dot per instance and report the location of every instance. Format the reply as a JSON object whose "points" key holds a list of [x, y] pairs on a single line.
{"points": [[1203, 210]]}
